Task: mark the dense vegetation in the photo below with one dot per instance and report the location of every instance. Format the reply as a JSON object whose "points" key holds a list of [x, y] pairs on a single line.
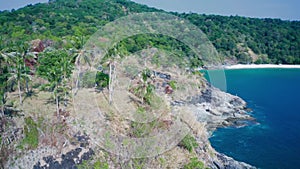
{"points": [[68, 22], [274, 40]]}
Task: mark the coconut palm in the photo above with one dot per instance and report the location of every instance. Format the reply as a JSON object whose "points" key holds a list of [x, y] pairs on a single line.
{"points": [[66, 67], [18, 71], [3, 83], [56, 67], [111, 62], [81, 56]]}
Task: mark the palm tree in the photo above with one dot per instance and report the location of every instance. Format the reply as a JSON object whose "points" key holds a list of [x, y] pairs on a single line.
{"points": [[81, 57], [18, 72], [111, 62], [111, 75], [144, 88], [56, 67], [66, 66], [3, 83]]}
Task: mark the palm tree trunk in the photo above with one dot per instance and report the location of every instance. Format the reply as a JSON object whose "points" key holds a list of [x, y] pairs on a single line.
{"points": [[27, 86], [65, 100], [77, 81], [57, 101], [57, 106], [20, 95], [3, 101], [78, 75], [110, 83], [65, 97], [2, 111]]}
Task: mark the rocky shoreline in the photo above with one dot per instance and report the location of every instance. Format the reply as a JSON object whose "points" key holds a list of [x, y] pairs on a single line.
{"points": [[217, 109]]}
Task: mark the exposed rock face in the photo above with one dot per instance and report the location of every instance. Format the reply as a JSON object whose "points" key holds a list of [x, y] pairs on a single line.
{"points": [[229, 163], [67, 161], [51, 158], [218, 109]]}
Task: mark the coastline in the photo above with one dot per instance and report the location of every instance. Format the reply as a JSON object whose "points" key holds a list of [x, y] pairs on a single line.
{"points": [[214, 109], [261, 66]]}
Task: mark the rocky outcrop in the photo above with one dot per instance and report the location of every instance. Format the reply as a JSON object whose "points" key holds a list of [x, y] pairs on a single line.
{"points": [[50, 158], [69, 160], [218, 109], [223, 161]]}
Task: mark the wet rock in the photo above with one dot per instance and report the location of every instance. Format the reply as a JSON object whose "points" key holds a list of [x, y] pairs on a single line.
{"points": [[225, 162], [236, 101], [217, 164]]}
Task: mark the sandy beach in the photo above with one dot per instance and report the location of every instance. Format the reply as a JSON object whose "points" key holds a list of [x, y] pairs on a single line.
{"points": [[255, 66]]}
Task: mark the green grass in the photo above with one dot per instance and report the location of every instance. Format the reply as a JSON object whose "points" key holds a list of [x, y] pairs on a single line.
{"points": [[100, 165], [140, 129], [143, 129], [87, 164], [194, 164], [189, 143], [138, 163], [173, 84], [31, 138]]}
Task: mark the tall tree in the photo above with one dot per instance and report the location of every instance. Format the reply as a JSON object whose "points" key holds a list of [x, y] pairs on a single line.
{"points": [[3, 83], [82, 57], [56, 67], [18, 71]]}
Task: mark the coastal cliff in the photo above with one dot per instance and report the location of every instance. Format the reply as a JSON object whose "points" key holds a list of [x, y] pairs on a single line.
{"points": [[217, 109], [205, 112]]}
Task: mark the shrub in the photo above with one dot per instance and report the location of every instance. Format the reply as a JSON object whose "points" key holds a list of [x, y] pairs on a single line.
{"points": [[87, 164], [31, 134], [189, 143], [173, 84], [194, 164], [140, 129], [102, 80], [90, 79], [99, 165]]}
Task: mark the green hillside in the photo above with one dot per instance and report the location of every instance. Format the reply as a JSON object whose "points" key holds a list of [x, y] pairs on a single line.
{"points": [[238, 39]]}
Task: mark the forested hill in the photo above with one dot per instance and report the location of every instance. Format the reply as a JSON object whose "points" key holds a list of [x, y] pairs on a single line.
{"points": [[238, 39]]}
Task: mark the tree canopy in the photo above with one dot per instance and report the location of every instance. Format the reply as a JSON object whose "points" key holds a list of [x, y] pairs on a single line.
{"points": [[67, 22]]}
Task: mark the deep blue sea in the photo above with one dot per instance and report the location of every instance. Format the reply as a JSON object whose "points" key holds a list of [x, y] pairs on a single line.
{"points": [[274, 97]]}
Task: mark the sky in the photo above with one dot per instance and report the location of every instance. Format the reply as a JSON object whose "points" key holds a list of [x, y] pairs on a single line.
{"points": [[283, 9], [15, 4]]}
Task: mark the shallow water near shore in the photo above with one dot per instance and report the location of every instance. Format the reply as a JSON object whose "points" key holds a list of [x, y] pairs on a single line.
{"points": [[274, 97]]}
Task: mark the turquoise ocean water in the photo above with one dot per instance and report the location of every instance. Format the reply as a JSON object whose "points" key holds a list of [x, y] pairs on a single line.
{"points": [[274, 97]]}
